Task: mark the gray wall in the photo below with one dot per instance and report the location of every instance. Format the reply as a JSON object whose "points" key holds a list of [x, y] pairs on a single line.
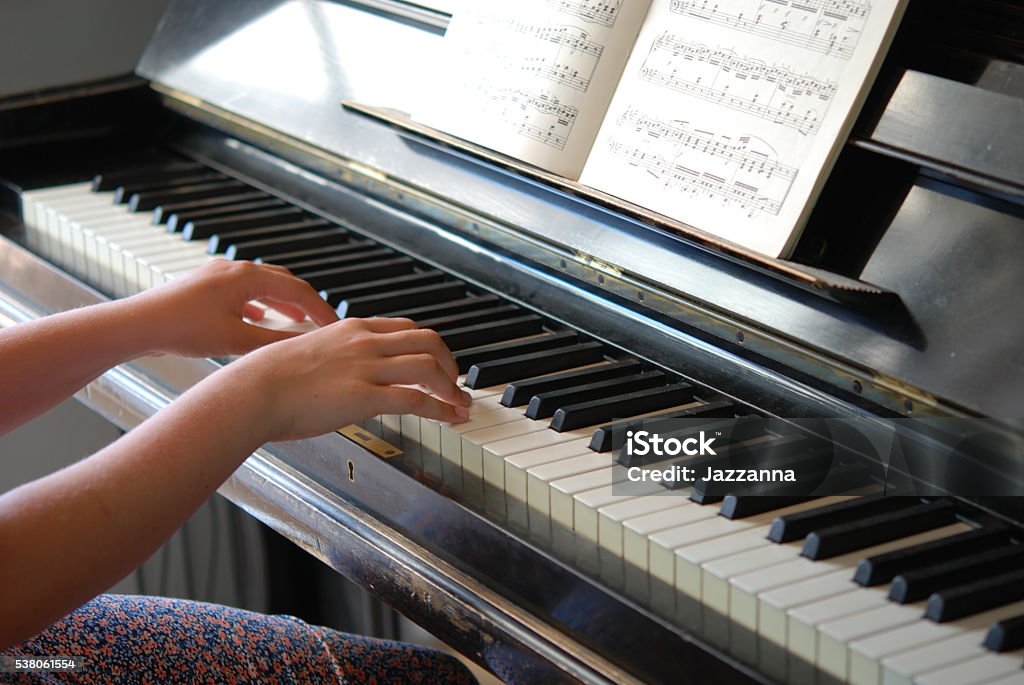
{"points": [[49, 43]]}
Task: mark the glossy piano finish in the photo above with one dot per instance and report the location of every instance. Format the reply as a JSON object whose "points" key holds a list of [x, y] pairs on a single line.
{"points": [[398, 536], [286, 64], [397, 491]]}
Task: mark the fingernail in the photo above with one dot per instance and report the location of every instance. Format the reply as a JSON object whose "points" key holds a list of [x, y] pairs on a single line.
{"points": [[462, 412], [466, 397]]}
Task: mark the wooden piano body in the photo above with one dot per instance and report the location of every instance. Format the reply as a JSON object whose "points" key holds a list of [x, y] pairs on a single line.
{"points": [[899, 301]]}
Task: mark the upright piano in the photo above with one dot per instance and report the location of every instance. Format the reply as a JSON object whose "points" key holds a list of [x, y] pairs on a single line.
{"points": [[508, 536]]}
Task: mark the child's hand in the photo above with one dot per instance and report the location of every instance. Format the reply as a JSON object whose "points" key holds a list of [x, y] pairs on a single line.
{"points": [[344, 373], [200, 314]]}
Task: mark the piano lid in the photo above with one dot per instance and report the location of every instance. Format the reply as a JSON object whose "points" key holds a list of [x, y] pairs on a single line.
{"points": [[274, 72]]}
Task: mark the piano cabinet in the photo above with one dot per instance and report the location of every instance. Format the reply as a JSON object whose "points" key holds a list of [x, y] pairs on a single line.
{"points": [[508, 538]]}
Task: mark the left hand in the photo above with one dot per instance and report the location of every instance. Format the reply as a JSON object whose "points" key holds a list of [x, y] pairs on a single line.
{"points": [[200, 313]]}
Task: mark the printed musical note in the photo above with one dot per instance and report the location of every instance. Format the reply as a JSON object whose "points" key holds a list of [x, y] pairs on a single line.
{"points": [[830, 27], [603, 13], [540, 116], [563, 54], [743, 171], [770, 92]]}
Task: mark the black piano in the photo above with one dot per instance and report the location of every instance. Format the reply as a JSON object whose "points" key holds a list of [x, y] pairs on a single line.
{"points": [[509, 537]]}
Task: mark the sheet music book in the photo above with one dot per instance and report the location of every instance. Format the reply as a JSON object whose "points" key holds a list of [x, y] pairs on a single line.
{"points": [[726, 115]]}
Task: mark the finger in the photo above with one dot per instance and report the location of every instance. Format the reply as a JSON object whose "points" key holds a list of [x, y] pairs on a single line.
{"points": [[253, 312], [289, 310], [418, 341], [383, 324], [278, 268], [252, 337], [280, 287], [408, 401], [420, 369]]}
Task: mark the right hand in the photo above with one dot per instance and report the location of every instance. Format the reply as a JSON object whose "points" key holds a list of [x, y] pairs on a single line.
{"points": [[346, 372]]}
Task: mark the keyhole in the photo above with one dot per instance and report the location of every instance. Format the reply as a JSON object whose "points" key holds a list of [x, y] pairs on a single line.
{"points": [[351, 471]]}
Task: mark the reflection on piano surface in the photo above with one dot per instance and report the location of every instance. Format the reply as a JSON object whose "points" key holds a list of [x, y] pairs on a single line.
{"points": [[514, 535]]}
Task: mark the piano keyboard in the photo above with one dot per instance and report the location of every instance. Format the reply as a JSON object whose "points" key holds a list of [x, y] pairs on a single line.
{"points": [[869, 590]]}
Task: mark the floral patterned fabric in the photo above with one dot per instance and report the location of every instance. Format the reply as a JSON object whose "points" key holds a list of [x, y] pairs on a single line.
{"points": [[131, 639]]}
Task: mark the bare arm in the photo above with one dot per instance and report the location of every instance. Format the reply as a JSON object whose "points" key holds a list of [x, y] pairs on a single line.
{"points": [[66, 537], [44, 362]]}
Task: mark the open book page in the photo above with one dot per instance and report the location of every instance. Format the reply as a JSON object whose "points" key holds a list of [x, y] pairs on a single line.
{"points": [[730, 113], [532, 78]]}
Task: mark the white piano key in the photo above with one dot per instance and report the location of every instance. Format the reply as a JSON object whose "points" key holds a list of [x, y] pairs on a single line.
{"points": [[561, 503], [516, 467], [539, 478], [483, 466], [496, 454], [782, 575], [712, 583], [835, 636], [430, 431], [157, 268], [901, 669], [491, 459], [835, 657], [140, 258], [637, 532], [1012, 679], [37, 214], [481, 416], [695, 564], [867, 653], [803, 621], [586, 504], [976, 671], [612, 518], [110, 230], [773, 605]]}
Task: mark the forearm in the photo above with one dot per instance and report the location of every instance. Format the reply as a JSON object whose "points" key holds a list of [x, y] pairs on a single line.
{"points": [[68, 537], [44, 362]]}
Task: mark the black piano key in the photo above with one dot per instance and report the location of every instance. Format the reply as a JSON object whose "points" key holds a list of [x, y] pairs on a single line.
{"points": [[882, 568], [201, 229], [110, 180], [471, 318], [145, 201], [612, 436], [357, 273], [494, 332], [123, 193], [371, 305], [976, 597], [791, 451], [466, 357], [800, 525], [220, 242], [1006, 635], [334, 296], [465, 304], [331, 260], [834, 479], [255, 248], [521, 392], [287, 259], [545, 404], [163, 213], [826, 543], [639, 402], [916, 585], [486, 374], [744, 506], [177, 221]]}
